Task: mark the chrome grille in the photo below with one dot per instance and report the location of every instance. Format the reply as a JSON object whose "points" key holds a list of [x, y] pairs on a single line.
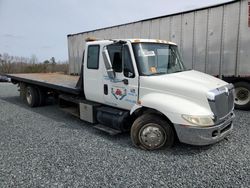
{"points": [[221, 101]]}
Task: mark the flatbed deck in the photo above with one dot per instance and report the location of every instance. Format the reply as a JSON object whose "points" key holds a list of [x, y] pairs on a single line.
{"points": [[57, 81]]}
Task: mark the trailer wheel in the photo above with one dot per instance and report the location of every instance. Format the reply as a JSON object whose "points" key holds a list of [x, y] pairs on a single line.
{"points": [[242, 95], [32, 96], [151, 132], [23, 90]]}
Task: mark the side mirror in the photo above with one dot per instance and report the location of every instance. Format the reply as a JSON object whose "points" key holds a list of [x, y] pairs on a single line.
{"points": [[108, 64]]}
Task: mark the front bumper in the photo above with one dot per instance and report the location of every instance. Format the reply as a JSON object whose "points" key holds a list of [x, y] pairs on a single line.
{"points": [[204, 135]]}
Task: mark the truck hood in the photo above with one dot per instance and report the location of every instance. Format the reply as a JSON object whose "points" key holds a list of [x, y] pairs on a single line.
{"points": [[192, 85]]}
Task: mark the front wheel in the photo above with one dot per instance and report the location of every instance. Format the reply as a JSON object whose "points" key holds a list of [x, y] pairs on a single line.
{"points": [[151, 132]]}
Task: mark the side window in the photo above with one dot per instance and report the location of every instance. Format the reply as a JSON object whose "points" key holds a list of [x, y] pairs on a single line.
{"points": [[128, 69], [115, 54], [93, 57]]}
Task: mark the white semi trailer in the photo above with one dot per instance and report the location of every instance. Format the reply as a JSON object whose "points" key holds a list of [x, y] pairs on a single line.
{"points": [[214, 40], [139, 86]]}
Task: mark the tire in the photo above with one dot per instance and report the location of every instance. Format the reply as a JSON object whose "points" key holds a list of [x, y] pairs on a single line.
{"points": [[151, 132], [32, 96], [42, 96], [242, 95], [23, 90]]}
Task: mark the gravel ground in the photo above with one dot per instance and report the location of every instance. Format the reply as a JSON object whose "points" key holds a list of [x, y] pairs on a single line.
{"points": [[45, 147]]}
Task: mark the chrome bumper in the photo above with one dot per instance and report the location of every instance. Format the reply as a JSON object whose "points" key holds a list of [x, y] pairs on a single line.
{"points": [[204, 135]]}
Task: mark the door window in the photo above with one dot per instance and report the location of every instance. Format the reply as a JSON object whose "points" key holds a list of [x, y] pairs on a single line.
{"points": [[121, 59], [115, 54], [93, 57]]}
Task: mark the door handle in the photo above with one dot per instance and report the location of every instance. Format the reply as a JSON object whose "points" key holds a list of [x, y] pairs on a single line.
{"points": [[125, 81], [105, 88]]}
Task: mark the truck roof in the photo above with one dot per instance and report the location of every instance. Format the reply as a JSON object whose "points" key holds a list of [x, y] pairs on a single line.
{"points": [[98, 41]]}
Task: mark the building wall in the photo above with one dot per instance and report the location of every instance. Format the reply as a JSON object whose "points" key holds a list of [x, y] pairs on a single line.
{"points": [[214, 40]]}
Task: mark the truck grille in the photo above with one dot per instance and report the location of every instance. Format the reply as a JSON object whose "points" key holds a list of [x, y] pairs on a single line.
{"points": [[221, 101]]}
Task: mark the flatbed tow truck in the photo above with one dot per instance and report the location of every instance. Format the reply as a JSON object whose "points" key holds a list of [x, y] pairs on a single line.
{"points": [[141, 86]]}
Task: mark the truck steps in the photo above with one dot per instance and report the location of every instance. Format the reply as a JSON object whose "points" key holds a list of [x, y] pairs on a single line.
{"points": [[106, 129]]}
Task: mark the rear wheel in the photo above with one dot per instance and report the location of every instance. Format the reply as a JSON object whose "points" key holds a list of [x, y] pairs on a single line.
{"points": [[23, 90], [32, 96], [242, 95], [151, 132], [42, 96]]}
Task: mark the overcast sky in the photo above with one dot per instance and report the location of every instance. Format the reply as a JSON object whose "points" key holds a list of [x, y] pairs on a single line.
{"points": [[40, 27]]}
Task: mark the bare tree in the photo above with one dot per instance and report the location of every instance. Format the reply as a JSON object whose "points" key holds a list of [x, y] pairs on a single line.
{"points": [[53, 63], [33, 59], [6, 63], [17, 64], [45, 65]]}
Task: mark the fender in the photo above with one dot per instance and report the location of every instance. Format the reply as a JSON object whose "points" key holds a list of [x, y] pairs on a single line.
{"points": [[171, 106]]}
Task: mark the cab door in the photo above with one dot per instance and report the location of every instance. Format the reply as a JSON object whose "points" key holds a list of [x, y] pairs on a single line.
{"points": [[122, 91]]}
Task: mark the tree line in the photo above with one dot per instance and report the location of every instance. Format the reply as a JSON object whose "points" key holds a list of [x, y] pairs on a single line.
{"points": [[15, 64]]}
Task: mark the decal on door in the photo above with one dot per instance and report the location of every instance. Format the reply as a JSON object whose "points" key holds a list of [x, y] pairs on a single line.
{"points": [[118, 92]]}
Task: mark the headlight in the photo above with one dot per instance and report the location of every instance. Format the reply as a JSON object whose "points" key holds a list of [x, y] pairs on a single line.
{"points": [[199, 120]]}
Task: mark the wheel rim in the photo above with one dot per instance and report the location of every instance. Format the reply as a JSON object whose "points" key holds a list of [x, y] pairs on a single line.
{"points": [[242, 96], [152, 136], [29, 97]]}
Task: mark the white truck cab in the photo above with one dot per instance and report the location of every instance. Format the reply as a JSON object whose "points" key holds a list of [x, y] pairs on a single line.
{"points": [[141, 86], [148, 78]]}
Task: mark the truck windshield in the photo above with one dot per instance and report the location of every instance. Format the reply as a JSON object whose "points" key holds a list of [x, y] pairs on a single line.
{"points": [[157, 59]]}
